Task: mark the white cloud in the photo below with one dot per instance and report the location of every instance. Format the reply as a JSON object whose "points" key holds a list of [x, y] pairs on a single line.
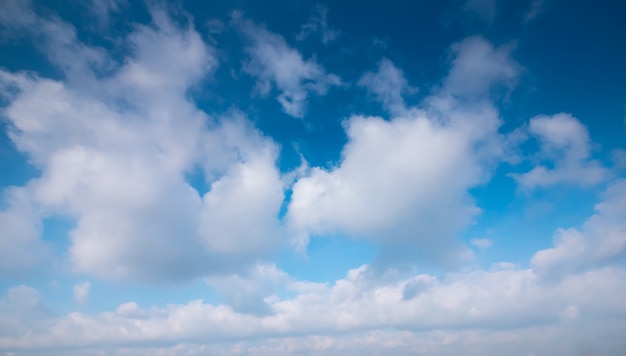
{"points": [[388, 85], [403, 184], [21, 312], [251, 293], [482, 243], [507, 310], [618, 156], [81, 292], [564, 142], [251, 191], [501, 311], [479, 67], [57, 39], [275, 64], [21, 249], [114, 150], [601, 239], [102, 10]]}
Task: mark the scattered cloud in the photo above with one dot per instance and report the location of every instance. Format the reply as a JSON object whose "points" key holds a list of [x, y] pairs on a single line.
{"points": [[600, 240], [318, 24], [536, 7], [478, 67], [116, 135], [402, 183], [503, 310], [618, 156], [57, 39], [102, 10], [114, 157], [510, 308], [276, 65], [566, 146], [388, 85], [482, 243]]}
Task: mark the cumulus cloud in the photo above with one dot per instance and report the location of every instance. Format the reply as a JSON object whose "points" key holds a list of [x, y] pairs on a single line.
{"points": [[600, 240], [502, 310], [277, 65], [508, 306], [114, 157], [565, 145], [114, 141], [403, 183]]}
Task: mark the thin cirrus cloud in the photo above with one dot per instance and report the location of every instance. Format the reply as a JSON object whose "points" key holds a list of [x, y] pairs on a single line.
{"points": [[318, 25], [116, 135]]}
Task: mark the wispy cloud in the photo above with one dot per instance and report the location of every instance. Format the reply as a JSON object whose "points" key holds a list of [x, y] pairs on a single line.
{"points": [[277, 65], [565, 143], [318, 24]]}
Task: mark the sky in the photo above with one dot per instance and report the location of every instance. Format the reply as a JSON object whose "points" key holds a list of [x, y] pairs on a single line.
{"points": [[312, 178]]}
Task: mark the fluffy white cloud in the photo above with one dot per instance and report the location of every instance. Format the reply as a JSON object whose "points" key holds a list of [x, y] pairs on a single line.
{"points": [[564, 142], [601, 239], [114, 150], [275, 64], [403, 183], [511, 308]]}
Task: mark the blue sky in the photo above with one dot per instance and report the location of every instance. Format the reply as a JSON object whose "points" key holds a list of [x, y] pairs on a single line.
{"points": [[298, 177]]}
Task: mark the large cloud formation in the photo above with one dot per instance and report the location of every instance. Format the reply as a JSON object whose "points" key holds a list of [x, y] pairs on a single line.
{"points": [[403, 183], [114, 148], [115, 141]]}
